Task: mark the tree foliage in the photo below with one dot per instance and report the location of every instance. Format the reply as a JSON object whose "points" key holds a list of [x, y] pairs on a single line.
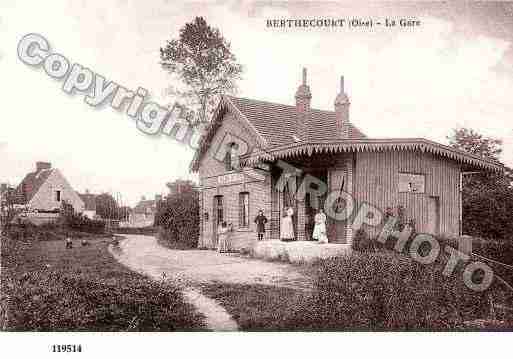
{"points": [[8, 210], [107, 207], [202, 59], [487, 198], [178, 218]]}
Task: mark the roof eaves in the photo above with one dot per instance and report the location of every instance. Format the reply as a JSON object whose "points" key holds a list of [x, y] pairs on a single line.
{"points": [[360, 145]]}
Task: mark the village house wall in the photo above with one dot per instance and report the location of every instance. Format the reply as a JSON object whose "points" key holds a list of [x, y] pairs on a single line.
{"points": [[46, 199], [376, 181], [215, 180]]}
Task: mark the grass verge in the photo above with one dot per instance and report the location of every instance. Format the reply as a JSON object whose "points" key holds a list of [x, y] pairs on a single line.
{"points": [[256, 307], [47, 287]]}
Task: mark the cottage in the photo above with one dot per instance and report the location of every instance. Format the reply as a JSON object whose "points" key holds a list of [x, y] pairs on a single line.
{"points": [[89, 200], [267, 139], [45, 189]]}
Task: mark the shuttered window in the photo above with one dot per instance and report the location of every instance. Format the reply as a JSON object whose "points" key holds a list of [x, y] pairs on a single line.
{"points": [[244, 209]]}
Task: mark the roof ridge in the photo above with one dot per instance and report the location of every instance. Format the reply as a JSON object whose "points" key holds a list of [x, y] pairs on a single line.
{"points": [[276, 103]]}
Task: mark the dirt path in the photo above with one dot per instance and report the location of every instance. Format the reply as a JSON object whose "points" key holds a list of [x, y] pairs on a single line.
{"points": [[191, 268]]}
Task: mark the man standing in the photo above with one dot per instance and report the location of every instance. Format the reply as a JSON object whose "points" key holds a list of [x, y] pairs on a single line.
{"points": [[260, 221]]}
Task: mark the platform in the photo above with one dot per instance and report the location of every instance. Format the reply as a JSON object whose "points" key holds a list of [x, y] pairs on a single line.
{"points": [[298, 251]]}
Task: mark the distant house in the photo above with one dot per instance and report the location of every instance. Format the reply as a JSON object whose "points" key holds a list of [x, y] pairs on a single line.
{"points": [[89, 204], [180, 186], [143, 214], [46, 188]]}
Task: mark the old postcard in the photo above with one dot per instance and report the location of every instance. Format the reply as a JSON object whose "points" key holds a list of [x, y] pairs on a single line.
{"points": [[235, 166]]}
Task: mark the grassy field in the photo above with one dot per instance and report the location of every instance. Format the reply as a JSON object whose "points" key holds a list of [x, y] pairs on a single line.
{"points": [[256, 307], [47, 287]]}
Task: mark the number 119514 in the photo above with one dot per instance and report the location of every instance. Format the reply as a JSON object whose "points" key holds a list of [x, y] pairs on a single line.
{"points": [[67, 348]]}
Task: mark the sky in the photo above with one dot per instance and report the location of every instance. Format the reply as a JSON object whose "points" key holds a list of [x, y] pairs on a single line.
{"points": [[456, 69]]}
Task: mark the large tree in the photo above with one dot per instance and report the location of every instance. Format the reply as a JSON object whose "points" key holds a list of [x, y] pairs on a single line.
{"points": [[487, 198], [202, 59]]}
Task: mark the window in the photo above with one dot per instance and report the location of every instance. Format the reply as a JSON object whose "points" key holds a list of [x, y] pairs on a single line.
{"points": [[231, 159], [411, 182], [244, 209], [58, 196]]}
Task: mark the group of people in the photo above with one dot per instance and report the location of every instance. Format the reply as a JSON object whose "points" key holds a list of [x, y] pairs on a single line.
{"points": [[286, 229]]}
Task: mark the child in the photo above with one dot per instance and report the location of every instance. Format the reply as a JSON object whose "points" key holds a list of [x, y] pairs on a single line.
{"points": [[69, 243]]}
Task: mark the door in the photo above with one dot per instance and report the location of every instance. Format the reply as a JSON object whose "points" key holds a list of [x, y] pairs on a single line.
{"points": [[434, 215], [337, 228], [218, 217], [313, 204]]}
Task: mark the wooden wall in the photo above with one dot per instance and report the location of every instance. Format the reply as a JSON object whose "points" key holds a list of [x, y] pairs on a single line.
{"points": [[376, 182]]}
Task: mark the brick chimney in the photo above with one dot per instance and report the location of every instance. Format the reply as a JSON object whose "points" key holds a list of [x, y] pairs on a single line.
{"points": [[43, 166], [303, 98], [303, 95], [342, 112]]}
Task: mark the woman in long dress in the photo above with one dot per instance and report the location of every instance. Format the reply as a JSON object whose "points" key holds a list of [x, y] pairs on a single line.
{"points": [[287, 226], [222, 234], [319, 232]]}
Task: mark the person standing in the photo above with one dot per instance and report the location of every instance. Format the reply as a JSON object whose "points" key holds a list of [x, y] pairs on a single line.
{"points": [[319, 232], [260, 221], [287, 226], [222, 235]]}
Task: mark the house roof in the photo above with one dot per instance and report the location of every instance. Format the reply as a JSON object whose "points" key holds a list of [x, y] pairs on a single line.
{"points": [[30, 185], [468, 160], [89, 201], [274, 124], [277, 123], [145, 206]]}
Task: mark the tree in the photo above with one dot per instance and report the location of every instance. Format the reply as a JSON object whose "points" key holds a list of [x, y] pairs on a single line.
{"points": [[178, 218], [8, 200], [487, 198], [202, 59], [106, 206]]}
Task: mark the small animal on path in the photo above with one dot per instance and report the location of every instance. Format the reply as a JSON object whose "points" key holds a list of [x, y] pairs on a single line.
{"points": [[69, 243]]}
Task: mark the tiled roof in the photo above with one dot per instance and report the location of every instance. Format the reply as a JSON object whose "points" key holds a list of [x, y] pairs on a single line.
{"points": [[275, 124], [89, 201], [145, 206], [31, 184], [278, 123]]}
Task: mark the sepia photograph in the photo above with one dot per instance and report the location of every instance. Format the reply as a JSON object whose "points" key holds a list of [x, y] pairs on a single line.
{"points": [[229, 177]]}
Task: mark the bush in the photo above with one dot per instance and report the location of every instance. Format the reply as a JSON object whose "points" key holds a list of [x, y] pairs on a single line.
{"points": [[386, 291], [362, 242], [148, 231], [178, 218], [81, 223]]}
